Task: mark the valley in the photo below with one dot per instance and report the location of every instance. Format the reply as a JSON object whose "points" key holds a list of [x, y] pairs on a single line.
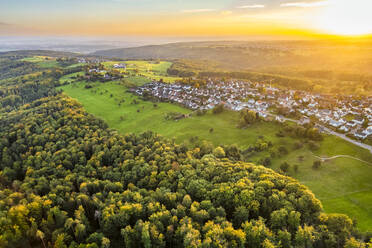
{"points": [[343, 184]]}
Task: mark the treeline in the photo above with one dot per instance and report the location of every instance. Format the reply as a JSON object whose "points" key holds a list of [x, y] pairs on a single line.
{"points": [[23, 90], [20, 90], [319, 81], [190, 68], [322, 74], [295, 83], [12, 68]]}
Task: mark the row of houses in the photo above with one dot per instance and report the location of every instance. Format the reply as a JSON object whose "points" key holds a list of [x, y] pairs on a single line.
{"points": [[232, 94], [238, 95], [343, 116]]}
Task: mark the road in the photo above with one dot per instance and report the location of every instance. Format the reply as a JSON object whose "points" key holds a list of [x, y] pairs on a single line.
{"points": [[344, 137], [329, 131]]}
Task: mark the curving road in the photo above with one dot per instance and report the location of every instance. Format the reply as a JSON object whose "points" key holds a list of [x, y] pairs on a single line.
{"points": [[329, 131], [344, 137]]}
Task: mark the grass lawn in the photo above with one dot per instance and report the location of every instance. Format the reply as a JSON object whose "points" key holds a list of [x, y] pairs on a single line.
{"points": [[343, 185], [35, 59], [70, 77], [47, 62], [149, 69], [76, 65], [43, 61], [358, 205], [138, 80]]}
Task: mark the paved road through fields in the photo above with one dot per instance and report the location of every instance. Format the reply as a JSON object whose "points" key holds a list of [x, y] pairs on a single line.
{"points": [[329, 131]]}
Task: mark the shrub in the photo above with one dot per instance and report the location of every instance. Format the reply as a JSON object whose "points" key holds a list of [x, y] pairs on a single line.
{"points": [[313, 146], [218, 109], [283, 150], [219, 152], [285, 167], [317, 164]]}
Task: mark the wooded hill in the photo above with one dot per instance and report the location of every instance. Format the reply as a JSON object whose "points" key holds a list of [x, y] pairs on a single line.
{"points": [[327, 66]]}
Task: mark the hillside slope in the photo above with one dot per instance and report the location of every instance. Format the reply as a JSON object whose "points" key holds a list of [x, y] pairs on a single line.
{"points": [[239, 55]]}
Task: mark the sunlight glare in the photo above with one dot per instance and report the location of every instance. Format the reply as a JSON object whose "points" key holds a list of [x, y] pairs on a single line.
{"points": [[346, 17]]}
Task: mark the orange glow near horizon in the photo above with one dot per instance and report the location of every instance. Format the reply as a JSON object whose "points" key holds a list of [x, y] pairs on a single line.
{"points": [[301, 19]]}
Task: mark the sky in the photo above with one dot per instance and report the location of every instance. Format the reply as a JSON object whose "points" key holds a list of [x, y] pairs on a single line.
{"points": [[185, 17]]}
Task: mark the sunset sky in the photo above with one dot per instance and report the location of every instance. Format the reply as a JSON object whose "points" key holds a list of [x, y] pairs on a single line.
{"points": [[185, 17]]}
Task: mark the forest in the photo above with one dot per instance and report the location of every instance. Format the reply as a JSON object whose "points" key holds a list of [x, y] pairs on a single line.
{"points": [[67, 180]]}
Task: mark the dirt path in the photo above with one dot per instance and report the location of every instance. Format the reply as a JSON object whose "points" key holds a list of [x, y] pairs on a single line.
{"points": [[323, 159]]}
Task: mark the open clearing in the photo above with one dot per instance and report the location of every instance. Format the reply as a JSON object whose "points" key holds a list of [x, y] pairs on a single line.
{"points": [[155, 70], [343, 185], [47, 62], [43, 61]]}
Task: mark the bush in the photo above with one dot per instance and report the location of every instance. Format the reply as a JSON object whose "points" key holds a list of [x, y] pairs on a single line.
{"points": [[219, 152], [317, 164], [313, 146], [283, 150], [200, 112], [218, 109], [265, 161], [280, 134], [297, 145], [285, 167]]}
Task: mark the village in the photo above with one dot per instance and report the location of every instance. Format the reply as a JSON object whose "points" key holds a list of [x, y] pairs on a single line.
{"points": [[344, 115]]}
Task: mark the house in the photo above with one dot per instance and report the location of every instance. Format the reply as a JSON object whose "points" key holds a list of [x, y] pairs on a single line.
{"points": [[361, 135], [351, 124], [359, 120], [368, 130], [304, 121], [262, 114], [279, 118], [334, 123], [120, 66], [344, 129]]}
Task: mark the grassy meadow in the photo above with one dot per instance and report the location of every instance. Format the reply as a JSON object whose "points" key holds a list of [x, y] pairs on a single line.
{"points": [[154, 70], [343, 185], [42, 61]]}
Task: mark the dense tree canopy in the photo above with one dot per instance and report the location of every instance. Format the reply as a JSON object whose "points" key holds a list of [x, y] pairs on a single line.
{"points": [[67, 180]]}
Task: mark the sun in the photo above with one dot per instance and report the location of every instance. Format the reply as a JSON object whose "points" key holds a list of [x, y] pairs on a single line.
{"points": [[345, 17]]}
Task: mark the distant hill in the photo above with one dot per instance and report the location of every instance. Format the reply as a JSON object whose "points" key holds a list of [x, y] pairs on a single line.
{"points": [[28, 53], [355, 56]]}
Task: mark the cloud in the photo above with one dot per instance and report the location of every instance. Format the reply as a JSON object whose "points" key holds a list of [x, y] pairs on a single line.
{"points": [[305, 4], [197, 10], [253, 6], [4, 24]]}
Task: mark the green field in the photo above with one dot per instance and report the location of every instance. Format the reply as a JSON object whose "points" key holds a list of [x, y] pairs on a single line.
{"points": [[47, 62], [149, 69], [70, 77], [343, 185], [42, 61]]}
